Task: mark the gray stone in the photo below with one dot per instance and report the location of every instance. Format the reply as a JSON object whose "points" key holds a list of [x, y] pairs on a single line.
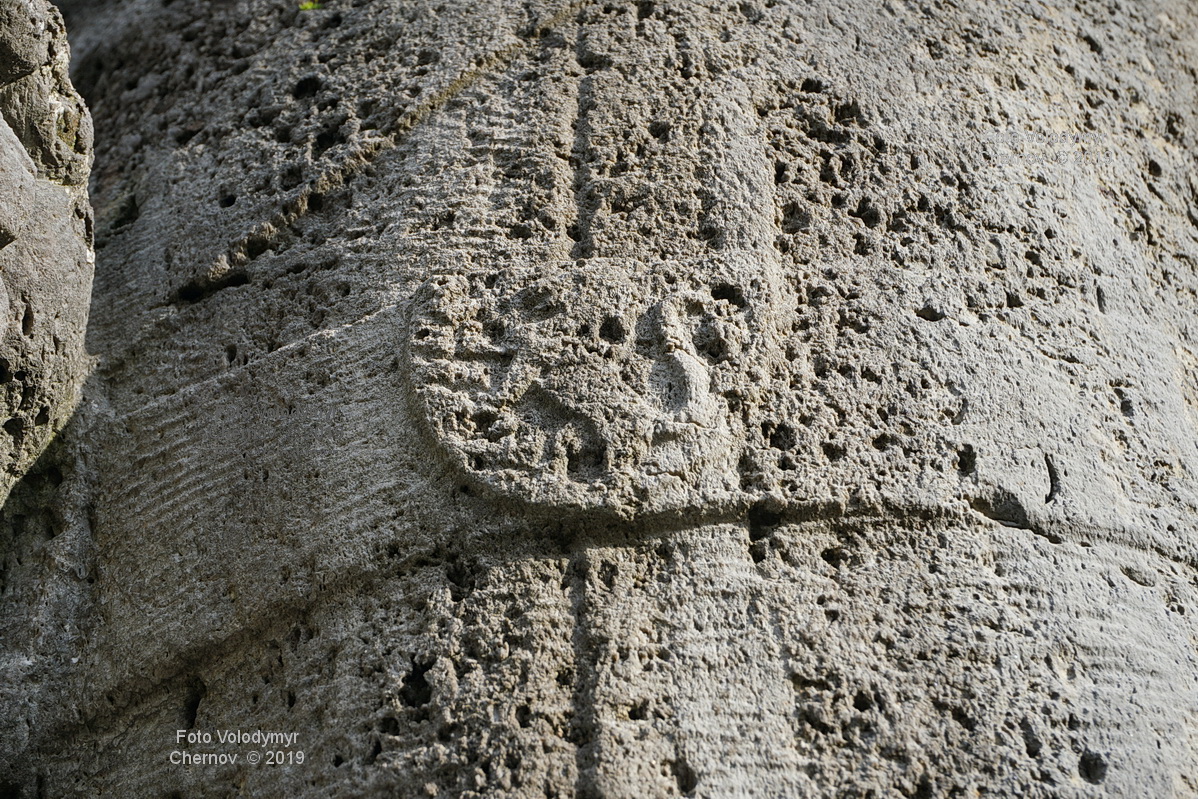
{"points": [[643, 399], [46, 262], [45, 234], [604, 386]]}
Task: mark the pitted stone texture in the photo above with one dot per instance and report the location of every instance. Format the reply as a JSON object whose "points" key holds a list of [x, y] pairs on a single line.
{"points": [[39, 104], [602, 385], [25, 34], [45, 233], [45, 285], [952, 555]]}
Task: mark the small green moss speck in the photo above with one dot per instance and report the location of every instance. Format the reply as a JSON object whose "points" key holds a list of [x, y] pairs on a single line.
{"points": [[67, 128], [309, 5]]}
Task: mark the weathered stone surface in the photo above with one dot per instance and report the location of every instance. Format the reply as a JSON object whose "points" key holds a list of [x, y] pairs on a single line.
{"points": [[45, 233], [634, 399], [600, 386], [45, 285]]}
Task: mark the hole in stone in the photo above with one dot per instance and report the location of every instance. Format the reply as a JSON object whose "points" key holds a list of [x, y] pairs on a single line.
{"points": [[686, 777], [416, 691], [255, 246], [929, 313], [612, 330], [306, 87], [834, 556], [15, 428], [191, 702], [967, 460], [328, 138], [291, 177], [729, 293], [783, 438], [1092, 767], [1031, 742], [762, 521], [833, 452]]}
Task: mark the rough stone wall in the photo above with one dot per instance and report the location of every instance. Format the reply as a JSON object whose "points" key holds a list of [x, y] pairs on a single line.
{"points": [[45, 233], [627, 399], [46, 263]]}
